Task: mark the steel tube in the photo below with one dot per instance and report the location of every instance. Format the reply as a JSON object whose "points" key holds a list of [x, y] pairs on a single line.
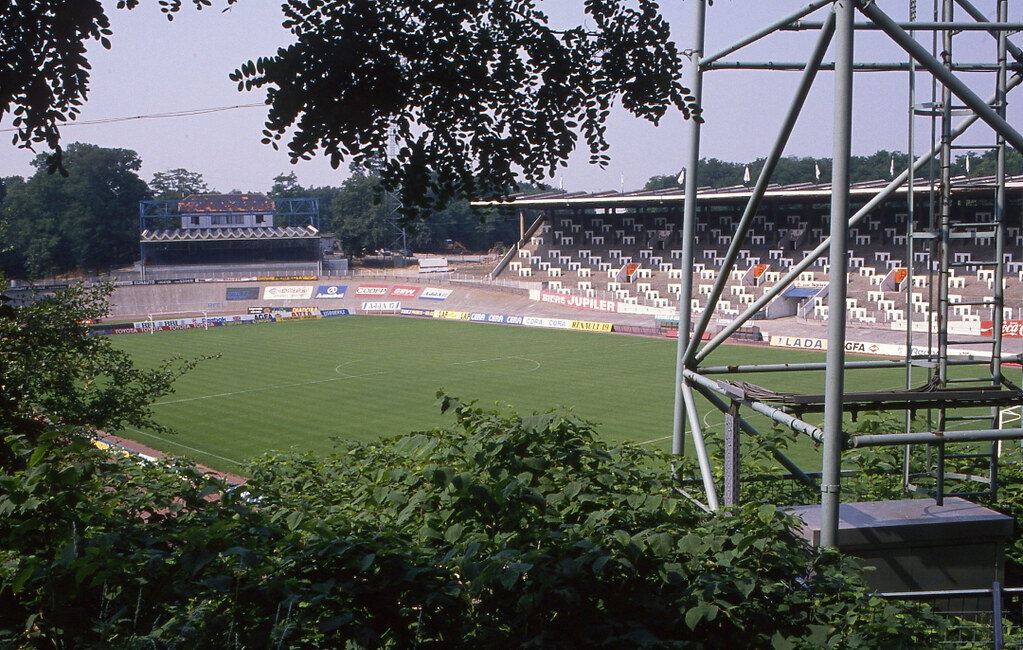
{"points": [[759, 34], [811, 257], [945, 216], [958, 26], [910, 245], [999, 213], [933, 437], [865, 67], [834, 380], [935, 67], [750, 429], [979, 16], [849, 365], [746, 221], [701, 448], [688, 229], [775, 414]]}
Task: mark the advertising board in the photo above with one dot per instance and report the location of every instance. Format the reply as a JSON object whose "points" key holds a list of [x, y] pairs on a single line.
{"points": [[242, 293], [371, 290], [381, 306], [403, 291], [288, 292], [430, 293], [331, 291]]}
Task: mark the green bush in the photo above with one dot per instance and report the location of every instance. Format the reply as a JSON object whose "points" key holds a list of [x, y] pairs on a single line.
{"points": [[502, 531]]}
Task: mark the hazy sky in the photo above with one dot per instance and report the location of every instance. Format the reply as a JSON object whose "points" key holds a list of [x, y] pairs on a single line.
{"points": [[156, 66]]}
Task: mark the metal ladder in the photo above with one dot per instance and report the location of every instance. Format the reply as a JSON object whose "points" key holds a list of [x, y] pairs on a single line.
{"points": [[975, 464]]}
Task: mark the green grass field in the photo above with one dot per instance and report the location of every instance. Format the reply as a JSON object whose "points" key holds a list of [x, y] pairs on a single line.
{"points": [[300, 385]]}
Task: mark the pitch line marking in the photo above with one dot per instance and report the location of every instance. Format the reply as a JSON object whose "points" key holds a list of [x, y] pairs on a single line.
{"points": [[337, 369], [178, 444], [536, 363], [651, 441], [265, 388]]}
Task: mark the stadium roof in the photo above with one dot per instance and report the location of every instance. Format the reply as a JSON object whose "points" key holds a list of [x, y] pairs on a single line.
{"points": [[731, 194], [226, 234]]}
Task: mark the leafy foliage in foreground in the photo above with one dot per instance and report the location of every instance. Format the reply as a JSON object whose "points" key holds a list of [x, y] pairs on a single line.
{"points": [[54, 377], [503, 531], [560, 541]]}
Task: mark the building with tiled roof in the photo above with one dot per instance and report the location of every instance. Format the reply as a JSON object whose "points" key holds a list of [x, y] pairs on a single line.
{"points": [[229, 230]]}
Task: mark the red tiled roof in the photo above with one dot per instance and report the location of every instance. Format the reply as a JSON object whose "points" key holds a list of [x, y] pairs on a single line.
{"points": [[229, 203]]}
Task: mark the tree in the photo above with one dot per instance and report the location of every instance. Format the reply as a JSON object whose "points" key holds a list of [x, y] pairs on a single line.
{"points": [[361, 219], [285, 186], [88, 220], [879, 165], [44, 73], [177, 183], [472, 91], [55, 375], [662, 182], [986, 164], [718, 173]]}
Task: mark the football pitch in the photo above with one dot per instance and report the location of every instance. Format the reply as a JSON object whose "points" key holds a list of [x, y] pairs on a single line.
{"points": [[301, 385]]}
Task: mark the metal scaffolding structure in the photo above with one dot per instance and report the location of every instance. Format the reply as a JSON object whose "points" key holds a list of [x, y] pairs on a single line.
{"points": [[952, 400]]}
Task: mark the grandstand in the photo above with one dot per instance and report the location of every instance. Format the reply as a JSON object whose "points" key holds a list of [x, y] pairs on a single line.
{"points": [[202, 235], [626, 248]]}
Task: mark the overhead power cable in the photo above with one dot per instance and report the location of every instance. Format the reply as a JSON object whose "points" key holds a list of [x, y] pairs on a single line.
{"points": [[150, 116]]}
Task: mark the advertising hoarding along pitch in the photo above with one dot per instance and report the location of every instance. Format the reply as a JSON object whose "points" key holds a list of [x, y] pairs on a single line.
{"points": [[288, 293], [411, 311], [401, 291], [305, 313], [799, 342], [590, 326], [430, 293], [579, 302], [327, 313], [331, 291], [381, 306], [1010, 328], [242, 293], [371, 290], [451, 315]]}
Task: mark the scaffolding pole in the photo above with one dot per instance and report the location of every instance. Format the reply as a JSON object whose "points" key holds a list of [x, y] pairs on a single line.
{"points": [[699, 17]]}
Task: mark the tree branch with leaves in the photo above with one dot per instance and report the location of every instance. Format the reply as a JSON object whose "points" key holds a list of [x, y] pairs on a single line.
{"points": [[474, 93]]}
